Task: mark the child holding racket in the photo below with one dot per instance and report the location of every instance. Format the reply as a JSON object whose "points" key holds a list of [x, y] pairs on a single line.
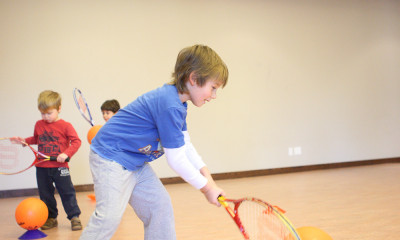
{"points": [[55, 137], [109, 108], [153, 124]]}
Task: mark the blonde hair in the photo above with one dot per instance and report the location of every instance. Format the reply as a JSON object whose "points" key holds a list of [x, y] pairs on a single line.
{"points": [[204, 62], [48, 100]]}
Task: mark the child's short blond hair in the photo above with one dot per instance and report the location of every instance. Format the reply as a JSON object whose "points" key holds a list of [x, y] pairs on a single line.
{"points": [[48, 100], [204, 62]]}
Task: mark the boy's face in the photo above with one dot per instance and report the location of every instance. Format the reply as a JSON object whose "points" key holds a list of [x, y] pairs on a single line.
{"points": [[107, 114], [200, 95], [50, 115]]}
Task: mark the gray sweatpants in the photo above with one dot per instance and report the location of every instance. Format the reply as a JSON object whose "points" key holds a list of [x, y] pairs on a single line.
{"points": [[115, 187]]}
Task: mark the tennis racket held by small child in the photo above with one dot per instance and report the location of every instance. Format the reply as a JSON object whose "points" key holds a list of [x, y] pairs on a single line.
{"points": [[16, 155]]}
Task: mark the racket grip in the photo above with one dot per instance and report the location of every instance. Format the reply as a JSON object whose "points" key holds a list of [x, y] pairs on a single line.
{"points": [[221, 200], [52, 158]]}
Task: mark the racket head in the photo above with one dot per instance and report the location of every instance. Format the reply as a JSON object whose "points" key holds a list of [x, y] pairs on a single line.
{"points": [[258, 219], [16, 156], [82, 106]]}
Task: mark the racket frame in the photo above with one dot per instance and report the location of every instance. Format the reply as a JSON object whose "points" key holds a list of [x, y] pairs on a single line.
{"points": [[76, 92], [39, 157], [236, 218]]}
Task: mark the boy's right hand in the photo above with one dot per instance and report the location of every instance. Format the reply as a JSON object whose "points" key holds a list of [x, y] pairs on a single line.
{"points": [[212, 192]]}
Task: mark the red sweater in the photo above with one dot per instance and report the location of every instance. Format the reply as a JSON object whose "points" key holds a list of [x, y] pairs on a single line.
{"points": [[53, 139]]}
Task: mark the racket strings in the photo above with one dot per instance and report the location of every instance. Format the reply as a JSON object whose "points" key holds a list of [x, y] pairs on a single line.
{"points": [[82, 104], [8, 155], [261, 222], [13, 157]]}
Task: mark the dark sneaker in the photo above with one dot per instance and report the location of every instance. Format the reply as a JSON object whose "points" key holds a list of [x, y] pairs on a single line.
{"points": [[76, 224], [50, 223]]}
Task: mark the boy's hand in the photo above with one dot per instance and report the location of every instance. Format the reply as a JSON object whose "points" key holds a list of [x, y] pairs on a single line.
{"points": [[17, 140], [212, 192], [62, 157]]}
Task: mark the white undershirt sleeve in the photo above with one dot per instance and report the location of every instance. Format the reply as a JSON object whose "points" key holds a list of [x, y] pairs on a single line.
{"points": [[179, 162], [191, 152]]}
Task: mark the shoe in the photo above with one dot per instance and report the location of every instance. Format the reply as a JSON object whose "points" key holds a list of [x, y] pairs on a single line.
{"points": [[76, 224], [50, 223]]}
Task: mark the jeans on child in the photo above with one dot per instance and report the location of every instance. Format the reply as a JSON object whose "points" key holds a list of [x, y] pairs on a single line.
{"points": [[115, 187], [48, 179]]}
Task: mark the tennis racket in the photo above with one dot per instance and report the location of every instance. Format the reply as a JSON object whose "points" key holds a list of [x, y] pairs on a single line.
{"points": [[15, 156], [258, 220], [82, 106]]}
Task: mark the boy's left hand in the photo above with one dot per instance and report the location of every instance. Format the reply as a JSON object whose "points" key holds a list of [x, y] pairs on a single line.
{"points": [[62, 157]]}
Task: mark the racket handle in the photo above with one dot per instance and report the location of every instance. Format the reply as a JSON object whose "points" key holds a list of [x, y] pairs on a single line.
{"points": [[52, 158], [221, 200]]}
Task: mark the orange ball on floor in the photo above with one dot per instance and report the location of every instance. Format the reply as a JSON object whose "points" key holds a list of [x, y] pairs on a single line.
{"points": [[31, 213], [312, 233]]}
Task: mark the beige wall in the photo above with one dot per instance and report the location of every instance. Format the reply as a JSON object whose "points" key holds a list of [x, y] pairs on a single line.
{"points": [[320, 75]]}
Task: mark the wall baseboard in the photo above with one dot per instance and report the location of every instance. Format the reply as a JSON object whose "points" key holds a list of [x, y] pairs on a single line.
{"points": [[221, 176]]}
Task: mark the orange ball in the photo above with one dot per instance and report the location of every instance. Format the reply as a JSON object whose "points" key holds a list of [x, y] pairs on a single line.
{"points": [[92, 133], [92, 197], [31, 213], [312, 233]]}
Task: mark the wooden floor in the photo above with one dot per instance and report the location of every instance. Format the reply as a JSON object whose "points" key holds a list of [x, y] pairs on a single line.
{"points": [[357, 203]]}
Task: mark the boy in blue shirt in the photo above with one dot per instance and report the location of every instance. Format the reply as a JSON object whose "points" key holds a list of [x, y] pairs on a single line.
{"points": [[153, 124]]}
